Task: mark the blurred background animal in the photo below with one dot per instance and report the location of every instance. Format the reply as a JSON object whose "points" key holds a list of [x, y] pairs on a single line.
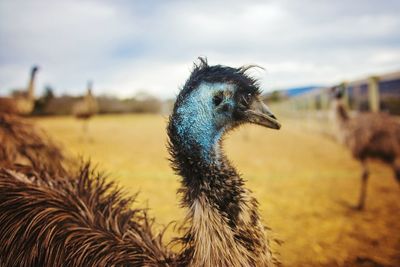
{"points": [[22, 101], [373, 135], [86, 108]]}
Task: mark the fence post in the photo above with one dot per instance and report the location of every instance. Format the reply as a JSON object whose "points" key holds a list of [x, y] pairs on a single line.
{"points": [[343, 85], [373, 94]]}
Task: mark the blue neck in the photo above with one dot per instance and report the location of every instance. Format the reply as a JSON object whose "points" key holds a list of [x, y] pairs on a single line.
{"points": [[196, 126], [197, 134]]}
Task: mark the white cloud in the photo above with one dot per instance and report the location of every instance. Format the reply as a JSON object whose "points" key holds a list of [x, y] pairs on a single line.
{"points": [[130, 46]]}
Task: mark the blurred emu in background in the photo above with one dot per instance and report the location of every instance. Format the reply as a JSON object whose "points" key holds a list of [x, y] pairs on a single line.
{"points": [[365, 113], [22, 101], [86, 108], [368, 135]]}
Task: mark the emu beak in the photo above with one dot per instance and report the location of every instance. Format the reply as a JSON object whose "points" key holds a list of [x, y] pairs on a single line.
{"points": [[259, 113]]}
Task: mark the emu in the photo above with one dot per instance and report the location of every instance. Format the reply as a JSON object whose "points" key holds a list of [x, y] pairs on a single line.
{"points": [[86, 108], [23, 101], [368, 136], [82, 220]]}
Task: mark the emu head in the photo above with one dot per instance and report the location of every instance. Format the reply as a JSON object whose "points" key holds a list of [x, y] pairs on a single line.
{"points": [[214, 100], [34, 69], [337, 92]]}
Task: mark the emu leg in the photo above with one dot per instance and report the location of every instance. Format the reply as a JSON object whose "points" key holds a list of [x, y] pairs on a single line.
{"points": [[85, 127], [364, 180], [85, 130]]}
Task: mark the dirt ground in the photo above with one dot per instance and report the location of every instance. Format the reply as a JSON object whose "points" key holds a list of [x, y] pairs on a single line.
{"points": [[306, 185]]}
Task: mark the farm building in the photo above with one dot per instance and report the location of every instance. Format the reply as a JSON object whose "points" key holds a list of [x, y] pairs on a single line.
{"points": [[375, 93]]}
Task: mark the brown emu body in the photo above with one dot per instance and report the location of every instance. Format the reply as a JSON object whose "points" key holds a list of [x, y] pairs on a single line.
{"points": [[368, 136], [8, 105], [23, 145], [22, 102], [80, 221], [87, 106], [53, 215]]}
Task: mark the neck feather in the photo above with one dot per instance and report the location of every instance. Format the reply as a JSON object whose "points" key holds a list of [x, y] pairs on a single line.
{"points": [[223, 227], [31, 85], [341, 112]]}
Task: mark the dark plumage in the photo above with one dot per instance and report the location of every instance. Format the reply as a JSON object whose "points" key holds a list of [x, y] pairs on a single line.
{"points": [[369, 135], [223, 223], [84, 221], [81, 221]]}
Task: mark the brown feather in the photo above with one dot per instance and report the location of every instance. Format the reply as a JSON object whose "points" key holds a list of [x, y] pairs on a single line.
{"points": [[22, 145], [81, 221]]}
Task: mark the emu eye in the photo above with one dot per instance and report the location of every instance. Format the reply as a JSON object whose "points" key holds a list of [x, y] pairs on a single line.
{"points": [[217, 99], [247, 98]]}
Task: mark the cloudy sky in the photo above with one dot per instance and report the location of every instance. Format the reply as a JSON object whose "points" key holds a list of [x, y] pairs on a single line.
{"points": [[131, 46]]}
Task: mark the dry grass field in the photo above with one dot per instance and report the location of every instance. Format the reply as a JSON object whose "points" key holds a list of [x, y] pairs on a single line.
{"points": [[305, 184]]}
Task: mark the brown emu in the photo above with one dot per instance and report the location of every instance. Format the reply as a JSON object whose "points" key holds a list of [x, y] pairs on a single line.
{"points": [[368, 135], [23, 101], [85, 221], [86, 108]]}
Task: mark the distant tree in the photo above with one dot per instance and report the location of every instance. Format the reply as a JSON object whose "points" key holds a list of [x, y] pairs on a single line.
{"points": [[48, 93], [42, 102], [274, 96]]}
